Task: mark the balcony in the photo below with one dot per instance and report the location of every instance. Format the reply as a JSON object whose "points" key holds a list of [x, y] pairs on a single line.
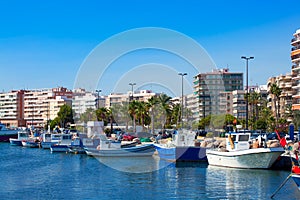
{"points": [[295, 40]]}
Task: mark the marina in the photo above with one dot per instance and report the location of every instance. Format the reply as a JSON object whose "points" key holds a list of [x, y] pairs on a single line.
{"points": [[68, 176]]}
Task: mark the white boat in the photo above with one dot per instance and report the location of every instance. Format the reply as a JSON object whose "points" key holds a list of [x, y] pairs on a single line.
{"points": [[32, 143], [63, 145], [238, 154], [22, 135], [49, 139], [109, 148]]}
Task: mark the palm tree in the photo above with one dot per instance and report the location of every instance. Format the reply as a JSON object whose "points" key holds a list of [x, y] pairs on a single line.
{"points": [[276, 91], [255, 100], [164, 102], [175, 114], [151, 104], [141, 112], [102, 114], [132, 110], [110, 118]]}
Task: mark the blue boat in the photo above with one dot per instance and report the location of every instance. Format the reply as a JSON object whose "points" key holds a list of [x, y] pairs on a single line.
{"points": [[181, 153], [76, 146], [181, 149], [6, 133], [296, 178]]}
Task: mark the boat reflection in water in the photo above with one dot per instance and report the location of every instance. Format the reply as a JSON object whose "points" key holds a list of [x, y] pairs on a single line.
{"points": [[245, 183]]}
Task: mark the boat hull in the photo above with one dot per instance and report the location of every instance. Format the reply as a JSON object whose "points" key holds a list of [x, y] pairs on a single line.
{"points": [[59, 148], [260, 158], [30, 144], [47, 145], [5, 137], [138, 151], [15, 142], [296, 179], [182, 153]]}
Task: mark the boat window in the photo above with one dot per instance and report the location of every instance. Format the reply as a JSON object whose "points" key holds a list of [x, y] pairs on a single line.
{"points": [[244, 138], [66, 137], [23, 134]]}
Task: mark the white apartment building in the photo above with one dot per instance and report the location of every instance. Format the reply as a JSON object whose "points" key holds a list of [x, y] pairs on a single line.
{"points": [[118, 98], [82, 100], [41, 105]]}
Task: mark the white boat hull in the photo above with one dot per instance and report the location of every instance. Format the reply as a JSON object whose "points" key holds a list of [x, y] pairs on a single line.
{"points": [[260, 158], [145, 150]]}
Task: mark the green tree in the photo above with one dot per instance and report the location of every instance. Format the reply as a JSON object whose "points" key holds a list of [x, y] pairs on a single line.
{"points": [[276, 91], [132, 110], [204, 122], [54, 122], [88, 115], [164, 104], [65, 115], [152, 102], [102, 115], [175, 115]]}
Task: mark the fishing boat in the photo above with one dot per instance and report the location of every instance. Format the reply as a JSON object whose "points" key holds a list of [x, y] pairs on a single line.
{"points": [[49, 139], [6, 133], [181, 148], [32, 143], [76, 146], [63, 145], [22, 135], [110, 148], [238, 153]]}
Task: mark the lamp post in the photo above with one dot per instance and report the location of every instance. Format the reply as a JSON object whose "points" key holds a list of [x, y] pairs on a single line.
{"points": [[98, 91], [247, 59], [132, 84], [182, 75]]}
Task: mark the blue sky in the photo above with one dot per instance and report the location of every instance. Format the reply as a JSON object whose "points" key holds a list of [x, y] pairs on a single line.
{"points": [[43, 44]]}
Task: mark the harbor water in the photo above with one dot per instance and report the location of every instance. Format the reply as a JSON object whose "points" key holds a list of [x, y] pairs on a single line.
{"points": [[29, 173]]}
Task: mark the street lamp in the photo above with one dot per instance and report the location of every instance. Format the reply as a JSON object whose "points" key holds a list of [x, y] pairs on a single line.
{"points": [[98, 91], [182, 75], [247, 59], [132, 84]]}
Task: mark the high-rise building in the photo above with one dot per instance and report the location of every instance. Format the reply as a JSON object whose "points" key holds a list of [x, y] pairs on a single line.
{"points": [[284, 82], [41, 105], [82, 100], [12, 108], [118, 98], [207, 87], [295, 57]]}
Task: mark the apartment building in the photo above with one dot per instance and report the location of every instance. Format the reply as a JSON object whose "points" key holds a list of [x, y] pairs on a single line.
{"points": [[295, 58], [82, 100], [284, 82], [118, 98], [12, 108], [41, 105], [209, 85]]}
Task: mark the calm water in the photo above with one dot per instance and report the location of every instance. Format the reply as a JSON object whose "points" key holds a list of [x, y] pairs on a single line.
{"points": [[37, 174]]}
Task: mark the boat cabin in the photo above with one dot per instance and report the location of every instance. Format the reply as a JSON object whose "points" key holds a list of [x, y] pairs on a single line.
{"points": [[108, 144], [237, 141]]}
